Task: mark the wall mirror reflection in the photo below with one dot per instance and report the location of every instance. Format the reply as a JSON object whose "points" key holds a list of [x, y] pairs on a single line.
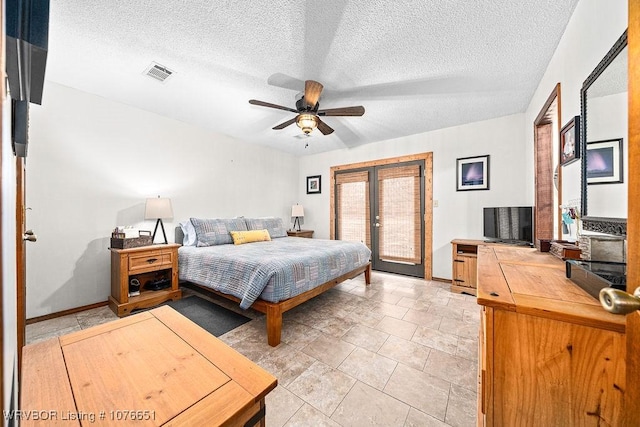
{"points": [[604, 119]]}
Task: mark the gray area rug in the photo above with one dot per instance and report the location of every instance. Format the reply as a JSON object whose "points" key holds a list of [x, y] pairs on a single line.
{"points": [[212, 317]]}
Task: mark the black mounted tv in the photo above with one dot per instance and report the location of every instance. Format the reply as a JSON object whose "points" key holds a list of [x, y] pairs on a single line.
{"points": [[27, 40], [509, 224]]}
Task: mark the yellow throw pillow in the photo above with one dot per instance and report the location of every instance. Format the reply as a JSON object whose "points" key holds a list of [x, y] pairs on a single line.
{"points": [[241, 237]]}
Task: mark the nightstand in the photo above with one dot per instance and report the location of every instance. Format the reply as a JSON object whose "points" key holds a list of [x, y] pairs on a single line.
{"points": [[302, 233], [146, 263]]}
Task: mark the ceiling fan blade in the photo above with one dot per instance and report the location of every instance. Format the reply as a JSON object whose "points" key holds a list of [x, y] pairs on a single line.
{"points": [[268, 104], [285, 81], [344, 111], [323, 127], [285, 124], [312, 91]]}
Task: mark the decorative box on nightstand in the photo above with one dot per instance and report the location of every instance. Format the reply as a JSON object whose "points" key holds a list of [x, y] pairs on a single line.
{"points": [[302, 233], [150, 266], [565, 250]]}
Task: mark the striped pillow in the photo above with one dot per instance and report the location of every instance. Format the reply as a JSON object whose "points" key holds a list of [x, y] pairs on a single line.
{"points": [[274, 226], [211, 232]]}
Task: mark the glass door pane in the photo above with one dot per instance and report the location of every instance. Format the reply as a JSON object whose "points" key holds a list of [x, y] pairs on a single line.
{"points": [[353, 207], [399, 210]]}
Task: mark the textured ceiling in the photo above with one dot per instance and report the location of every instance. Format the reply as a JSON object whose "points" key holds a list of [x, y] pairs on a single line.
{"points": [[414, 65]]}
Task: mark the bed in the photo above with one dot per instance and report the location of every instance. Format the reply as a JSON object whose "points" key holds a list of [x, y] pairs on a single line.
{"points": [[272, 273]]}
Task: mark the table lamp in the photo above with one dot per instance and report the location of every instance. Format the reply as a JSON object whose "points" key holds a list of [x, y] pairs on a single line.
{"points": [[297, 212], [158, 208]]}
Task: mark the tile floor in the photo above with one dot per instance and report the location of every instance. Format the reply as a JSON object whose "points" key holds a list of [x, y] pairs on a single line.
{"points": [[401, 352]]}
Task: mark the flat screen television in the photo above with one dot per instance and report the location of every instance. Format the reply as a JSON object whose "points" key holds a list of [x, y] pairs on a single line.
{"points": [[509, 224]]}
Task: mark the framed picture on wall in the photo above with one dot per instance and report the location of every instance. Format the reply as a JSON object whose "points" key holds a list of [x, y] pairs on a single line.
{"points": [[472, 173], [604, 161], [570, 141], [313, 184]]}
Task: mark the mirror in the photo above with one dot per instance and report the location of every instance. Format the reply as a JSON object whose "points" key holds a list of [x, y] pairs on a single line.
{"points": [[603, 143]]}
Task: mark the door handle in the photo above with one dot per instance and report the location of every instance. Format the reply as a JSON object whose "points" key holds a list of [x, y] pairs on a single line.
{"points": [[619, 302], [29, 236]]}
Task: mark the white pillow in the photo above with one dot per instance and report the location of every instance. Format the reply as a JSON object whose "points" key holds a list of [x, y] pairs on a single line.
{"points": [[190, 237]]}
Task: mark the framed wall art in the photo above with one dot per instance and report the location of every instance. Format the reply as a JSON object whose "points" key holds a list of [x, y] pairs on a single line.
{"points": [[314, 184], [570, 142], [472, 173], [604, 161]]}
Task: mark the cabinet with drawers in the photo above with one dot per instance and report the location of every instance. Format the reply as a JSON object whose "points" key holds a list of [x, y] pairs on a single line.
{"points": [[549, 354], [148, 265], [464, 268]]}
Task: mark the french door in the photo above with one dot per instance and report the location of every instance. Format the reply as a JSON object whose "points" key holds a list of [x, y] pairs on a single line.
{"points": [[383, 206]]}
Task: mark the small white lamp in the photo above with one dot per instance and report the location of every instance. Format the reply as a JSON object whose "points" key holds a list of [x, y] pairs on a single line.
{"points": [[297, 212], [157, 209]]}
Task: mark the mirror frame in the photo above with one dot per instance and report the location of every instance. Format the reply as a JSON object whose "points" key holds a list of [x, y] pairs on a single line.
{"points": [[615, 226]]}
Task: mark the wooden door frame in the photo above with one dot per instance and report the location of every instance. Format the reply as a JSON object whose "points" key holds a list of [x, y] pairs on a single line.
{"points": [[428, 199], [540, 120], [631, 408], [21, 258], [3, 95]]}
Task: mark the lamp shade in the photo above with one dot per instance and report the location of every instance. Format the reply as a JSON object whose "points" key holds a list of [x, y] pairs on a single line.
{"points": [[159, 207], [306, 122], [297, 210]]}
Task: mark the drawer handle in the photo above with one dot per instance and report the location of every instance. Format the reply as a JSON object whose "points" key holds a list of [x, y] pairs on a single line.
{"points": [[458, 260], [459, 280], [152, 260]]}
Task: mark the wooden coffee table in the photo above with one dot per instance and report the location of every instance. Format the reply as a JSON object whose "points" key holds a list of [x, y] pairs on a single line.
{"points": [[152, 368]]}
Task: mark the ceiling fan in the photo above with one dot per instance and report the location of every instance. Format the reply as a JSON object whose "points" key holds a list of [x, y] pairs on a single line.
{"points": [[308, 117]]}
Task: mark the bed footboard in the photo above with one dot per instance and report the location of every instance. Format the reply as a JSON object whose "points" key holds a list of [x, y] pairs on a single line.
{"points": [[274, 310]]}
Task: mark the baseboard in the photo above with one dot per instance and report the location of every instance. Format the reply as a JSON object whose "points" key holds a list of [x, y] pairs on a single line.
{"points": [[65, 312], [440, 279]]}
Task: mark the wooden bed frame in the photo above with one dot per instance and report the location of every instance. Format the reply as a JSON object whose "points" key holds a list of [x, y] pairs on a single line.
{"points": [[274, 310]]}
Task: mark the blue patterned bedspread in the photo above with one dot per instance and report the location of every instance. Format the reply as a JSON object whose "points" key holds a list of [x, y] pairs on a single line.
{"points": [[274, 271]]}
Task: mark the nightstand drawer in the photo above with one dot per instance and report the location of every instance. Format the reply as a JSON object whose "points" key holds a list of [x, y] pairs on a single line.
{"points": [[150, 260]]}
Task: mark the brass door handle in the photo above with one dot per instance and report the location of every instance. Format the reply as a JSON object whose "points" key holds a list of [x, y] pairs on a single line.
{"points": [[619, 302]]}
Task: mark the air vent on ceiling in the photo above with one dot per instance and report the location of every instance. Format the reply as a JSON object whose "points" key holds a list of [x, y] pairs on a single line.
{"points": [[158, 72]]}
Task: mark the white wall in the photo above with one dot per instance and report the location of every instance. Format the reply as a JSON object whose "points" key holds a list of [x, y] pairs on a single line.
{"points": [[459, 213], [93, 162], [592, 30]]}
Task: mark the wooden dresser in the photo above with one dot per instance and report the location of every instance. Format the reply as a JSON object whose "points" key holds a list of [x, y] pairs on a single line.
{"points": [[549, 353], [152, 368]]}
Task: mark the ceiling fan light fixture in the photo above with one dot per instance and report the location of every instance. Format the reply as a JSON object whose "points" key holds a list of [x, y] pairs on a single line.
{"points": [[307, 122]]}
